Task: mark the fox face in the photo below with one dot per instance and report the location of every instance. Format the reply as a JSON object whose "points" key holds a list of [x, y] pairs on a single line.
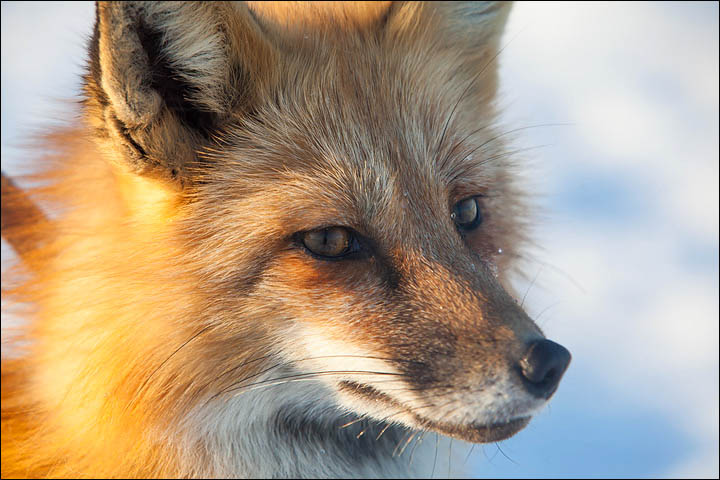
{"points": [[381, 258], [315, 215], [389, 215]]}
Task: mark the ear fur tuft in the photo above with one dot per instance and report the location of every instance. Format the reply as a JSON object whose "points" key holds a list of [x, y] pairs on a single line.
{"points": [[125, 74], [165, 75]]}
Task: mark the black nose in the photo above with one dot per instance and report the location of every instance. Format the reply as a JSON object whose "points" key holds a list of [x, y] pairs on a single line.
{"points": [[543, 366]]}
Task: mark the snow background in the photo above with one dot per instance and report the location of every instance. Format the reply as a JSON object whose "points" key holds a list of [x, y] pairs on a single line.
{"points": [[628, 275]]}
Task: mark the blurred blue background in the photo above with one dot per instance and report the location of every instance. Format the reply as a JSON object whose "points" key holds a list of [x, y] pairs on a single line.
{"points": [[626, 268]]}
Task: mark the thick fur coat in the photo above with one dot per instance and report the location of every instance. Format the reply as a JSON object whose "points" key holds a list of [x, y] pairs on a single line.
{"points": [[178, 322]]}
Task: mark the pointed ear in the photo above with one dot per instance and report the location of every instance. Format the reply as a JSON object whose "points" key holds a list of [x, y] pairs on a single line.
{"points": [[471, 30], [164, 76], [475, 24]]}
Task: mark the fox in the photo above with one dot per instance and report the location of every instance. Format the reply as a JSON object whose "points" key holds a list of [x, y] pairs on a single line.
{"points": [[278, 242]]}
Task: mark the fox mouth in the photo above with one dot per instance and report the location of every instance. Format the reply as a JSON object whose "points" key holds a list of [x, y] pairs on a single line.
{"points": [[472, 432], [477, 433]]}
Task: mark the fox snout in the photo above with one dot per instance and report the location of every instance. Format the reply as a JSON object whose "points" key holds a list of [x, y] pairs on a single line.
{"points": [[456, 352], [487, 369]]}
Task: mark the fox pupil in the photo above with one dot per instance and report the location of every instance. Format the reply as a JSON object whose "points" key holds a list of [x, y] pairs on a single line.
{"points": [[466, 214], [327, 242]]}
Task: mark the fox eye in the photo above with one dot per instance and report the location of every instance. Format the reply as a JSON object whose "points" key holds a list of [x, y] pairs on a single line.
{"points": [[466, 214], [332, 242]]}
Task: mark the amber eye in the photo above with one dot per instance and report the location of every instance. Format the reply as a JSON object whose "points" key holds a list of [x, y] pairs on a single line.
{"points": [[466, 214], [328, 242]]}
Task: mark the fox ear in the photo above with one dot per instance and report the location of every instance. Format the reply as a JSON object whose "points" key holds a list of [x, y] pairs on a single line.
{"points": [[471, 30], [477, 24], [165, 75]]}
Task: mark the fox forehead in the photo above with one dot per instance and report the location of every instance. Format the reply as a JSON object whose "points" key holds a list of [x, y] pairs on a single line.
{"points": [[359, 142]]}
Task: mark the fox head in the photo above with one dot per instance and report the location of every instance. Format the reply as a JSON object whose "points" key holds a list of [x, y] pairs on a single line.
{"points": [[345, 204]]}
